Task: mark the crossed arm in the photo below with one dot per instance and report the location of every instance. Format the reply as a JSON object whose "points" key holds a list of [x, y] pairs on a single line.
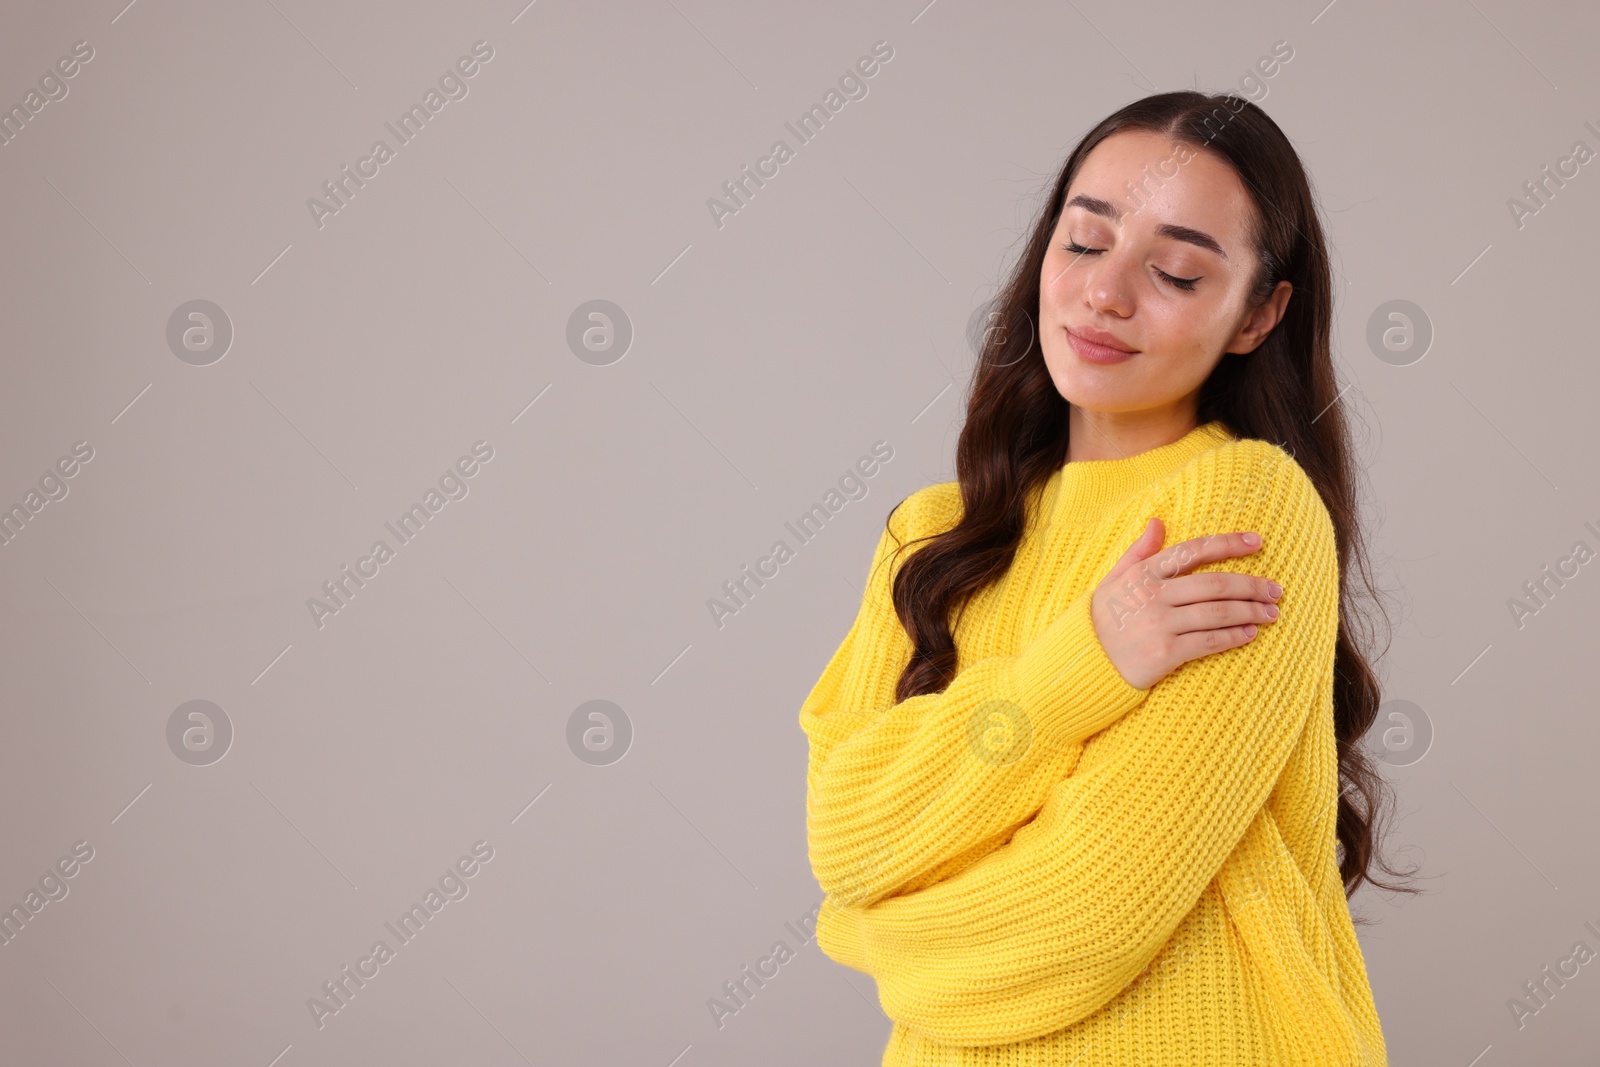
{"points": [[898, 796]]}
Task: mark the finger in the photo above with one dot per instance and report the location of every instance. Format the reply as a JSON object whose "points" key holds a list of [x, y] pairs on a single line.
{"points": [[1220, 615], [1204, 642], [1218, 585], [1185, 556], [1146, 545]]}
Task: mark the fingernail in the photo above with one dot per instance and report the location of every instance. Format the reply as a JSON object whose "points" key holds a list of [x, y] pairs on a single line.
{"points": [[1277, 590], [1272, 611], [1252, 539]]}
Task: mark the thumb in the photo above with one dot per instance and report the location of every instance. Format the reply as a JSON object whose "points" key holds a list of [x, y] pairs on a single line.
{"points": [[1148, 544]]}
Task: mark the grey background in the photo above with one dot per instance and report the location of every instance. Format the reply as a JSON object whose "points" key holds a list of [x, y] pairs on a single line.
{"points": [[767, 357]]}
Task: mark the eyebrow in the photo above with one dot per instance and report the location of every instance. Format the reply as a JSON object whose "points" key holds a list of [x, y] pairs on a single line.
{"points": [[1166, 229]]}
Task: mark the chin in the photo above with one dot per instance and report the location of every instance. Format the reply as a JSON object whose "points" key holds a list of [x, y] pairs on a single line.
{"points": [[1088, 386]]}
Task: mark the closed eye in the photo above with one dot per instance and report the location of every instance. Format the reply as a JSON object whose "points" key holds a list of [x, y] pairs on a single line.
{"points": [[1186, 284]]}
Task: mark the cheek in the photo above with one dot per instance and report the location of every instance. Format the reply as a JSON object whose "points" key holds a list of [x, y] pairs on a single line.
{"points": [[1185, 330], [1053, 281], [1061, 295], [1171, 329], [1057, 275]]}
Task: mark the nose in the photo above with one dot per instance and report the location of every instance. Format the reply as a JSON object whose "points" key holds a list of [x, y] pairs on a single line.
{"points": [[1106, 285]]}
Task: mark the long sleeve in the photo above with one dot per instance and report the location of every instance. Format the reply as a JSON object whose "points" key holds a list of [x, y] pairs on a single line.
{"points": [[1044, 930], [899, 794]]}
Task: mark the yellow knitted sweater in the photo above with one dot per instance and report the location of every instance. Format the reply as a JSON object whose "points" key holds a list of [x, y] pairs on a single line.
{"points": [[1045, 865]]}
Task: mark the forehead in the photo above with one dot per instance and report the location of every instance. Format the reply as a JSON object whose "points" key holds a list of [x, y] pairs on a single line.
{"points": [[1150, 182]]}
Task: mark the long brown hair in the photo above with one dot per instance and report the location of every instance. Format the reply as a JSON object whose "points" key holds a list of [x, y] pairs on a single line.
{"points": [[1285, 391]]}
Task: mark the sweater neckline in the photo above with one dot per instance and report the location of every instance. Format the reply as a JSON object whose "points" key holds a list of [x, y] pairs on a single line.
{"points": [[1085, 489]]}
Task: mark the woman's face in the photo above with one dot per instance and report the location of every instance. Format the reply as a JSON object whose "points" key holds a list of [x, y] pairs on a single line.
{"points": [[1166, 274]]}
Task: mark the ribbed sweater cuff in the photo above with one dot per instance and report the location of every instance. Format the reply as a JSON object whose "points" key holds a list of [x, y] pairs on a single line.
{"points": [[1065, 681], [839, 935]]}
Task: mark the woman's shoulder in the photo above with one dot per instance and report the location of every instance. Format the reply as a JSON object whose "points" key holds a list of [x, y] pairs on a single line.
{"points": [[1247, 455], [930, 510], [1250, 480]]}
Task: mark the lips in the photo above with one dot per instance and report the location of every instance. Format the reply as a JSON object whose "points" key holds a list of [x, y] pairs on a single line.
{"points": [[1097, 346]]}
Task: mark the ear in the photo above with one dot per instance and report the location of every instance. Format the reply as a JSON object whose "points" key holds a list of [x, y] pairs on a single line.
{"points": [[1261, 320]]}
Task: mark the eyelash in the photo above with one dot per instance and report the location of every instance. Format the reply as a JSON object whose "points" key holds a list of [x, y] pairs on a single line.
{"points": [[1186, 284]]}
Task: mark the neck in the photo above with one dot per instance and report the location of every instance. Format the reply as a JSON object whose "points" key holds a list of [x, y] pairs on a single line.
{"points": [[1096, 435]]}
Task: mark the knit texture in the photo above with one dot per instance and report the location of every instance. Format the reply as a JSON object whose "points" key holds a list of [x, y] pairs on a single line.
{"points": [[1043, 864]]}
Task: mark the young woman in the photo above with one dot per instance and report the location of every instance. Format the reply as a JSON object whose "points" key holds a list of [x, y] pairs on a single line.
{"points": [[1086, 783]]}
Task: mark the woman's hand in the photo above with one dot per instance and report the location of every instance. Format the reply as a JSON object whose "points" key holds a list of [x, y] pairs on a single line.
{"points": [[1152, 615]]}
